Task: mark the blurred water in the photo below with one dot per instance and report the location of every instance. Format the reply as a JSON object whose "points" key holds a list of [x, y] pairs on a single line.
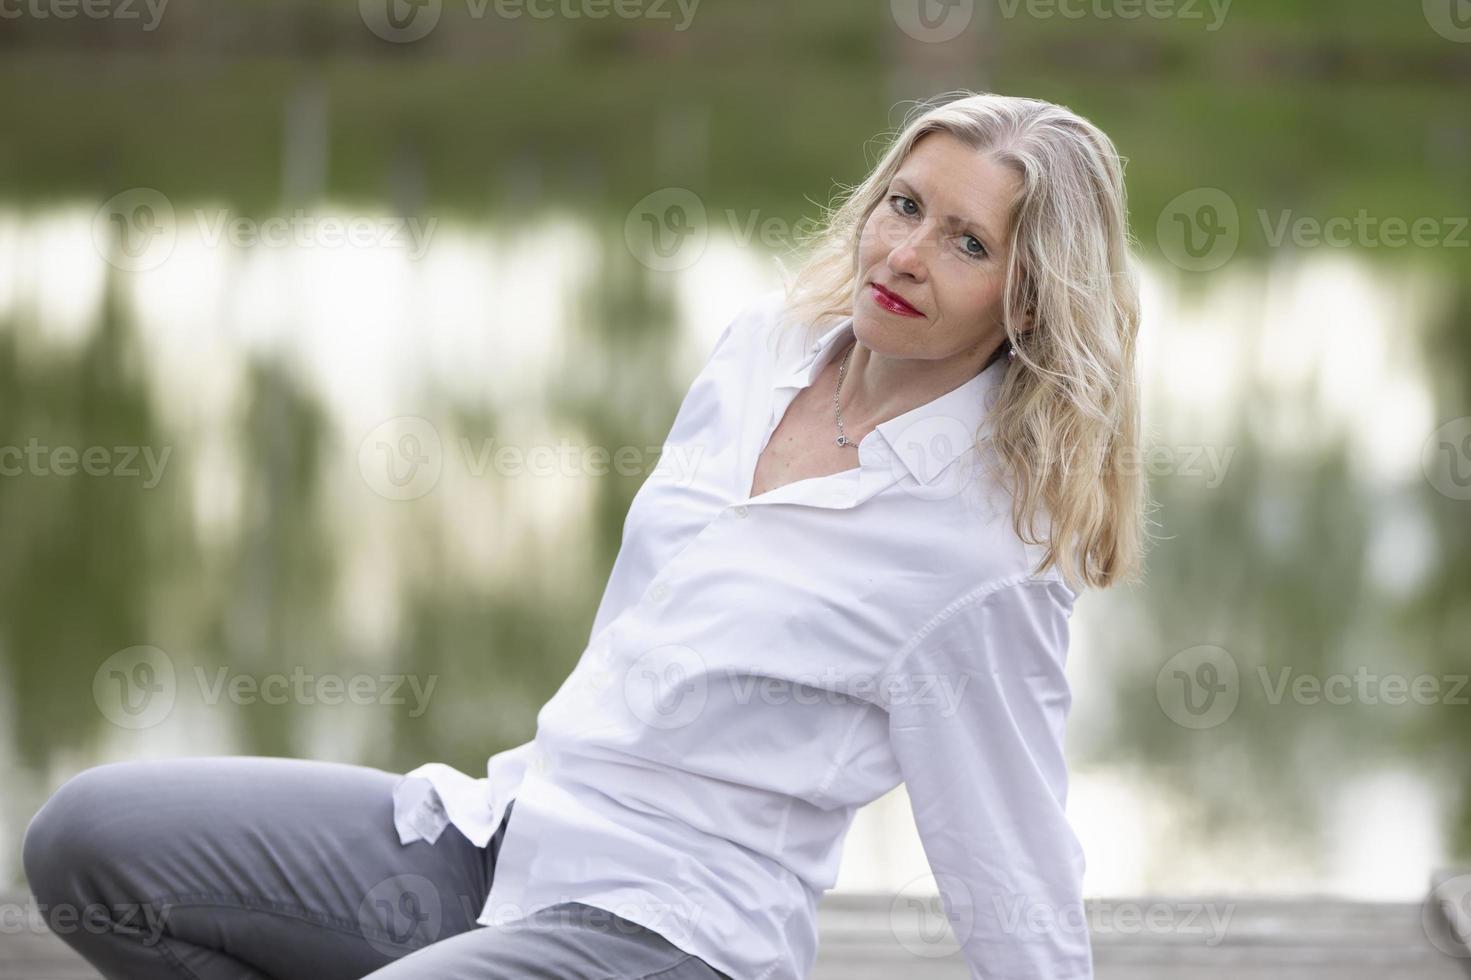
{"points": [[1288, 405]]}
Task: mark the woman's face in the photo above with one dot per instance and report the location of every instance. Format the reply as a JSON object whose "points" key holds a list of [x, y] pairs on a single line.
{"points": [[938, 241]]}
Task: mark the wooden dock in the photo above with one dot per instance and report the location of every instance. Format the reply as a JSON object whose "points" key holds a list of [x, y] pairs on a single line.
{"points": [[1141, 938]]}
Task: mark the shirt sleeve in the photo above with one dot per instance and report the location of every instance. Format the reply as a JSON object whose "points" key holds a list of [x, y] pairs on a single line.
{"points": [[978, 702]]}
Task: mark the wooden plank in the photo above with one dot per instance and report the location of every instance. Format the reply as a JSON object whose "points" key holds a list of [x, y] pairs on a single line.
{"points": [[1308, 938]]}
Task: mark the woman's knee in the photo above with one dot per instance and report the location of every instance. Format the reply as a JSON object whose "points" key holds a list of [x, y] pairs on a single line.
{"points": [[68, 836]]}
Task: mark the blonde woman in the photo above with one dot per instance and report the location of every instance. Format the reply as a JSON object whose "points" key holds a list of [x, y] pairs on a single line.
{"points": [[910, 462]]}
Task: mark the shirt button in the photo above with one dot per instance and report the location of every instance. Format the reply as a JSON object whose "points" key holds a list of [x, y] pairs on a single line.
{"points": [[659, 592], [740, 511]]}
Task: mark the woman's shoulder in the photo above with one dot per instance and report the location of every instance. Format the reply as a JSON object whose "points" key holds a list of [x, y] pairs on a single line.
{"points": [[984, 547]]}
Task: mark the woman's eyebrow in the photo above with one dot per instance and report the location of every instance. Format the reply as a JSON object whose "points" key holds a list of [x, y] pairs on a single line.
{"points": [[957, 218]]}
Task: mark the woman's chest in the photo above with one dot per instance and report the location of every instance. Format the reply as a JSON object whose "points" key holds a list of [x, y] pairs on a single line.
{"points": [[803, 445]]}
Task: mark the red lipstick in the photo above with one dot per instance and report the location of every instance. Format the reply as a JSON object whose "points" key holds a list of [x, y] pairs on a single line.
{"points": [[892, 302]]}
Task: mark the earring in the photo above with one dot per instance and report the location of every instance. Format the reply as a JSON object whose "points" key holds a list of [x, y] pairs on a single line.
{"points": [[1011, 354]]}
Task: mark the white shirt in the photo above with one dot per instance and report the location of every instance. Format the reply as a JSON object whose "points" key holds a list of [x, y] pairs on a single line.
{"points": [[761, 667]]}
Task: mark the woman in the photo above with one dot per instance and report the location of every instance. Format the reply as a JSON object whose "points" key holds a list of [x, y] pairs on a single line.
{"points": [[909, 464]]}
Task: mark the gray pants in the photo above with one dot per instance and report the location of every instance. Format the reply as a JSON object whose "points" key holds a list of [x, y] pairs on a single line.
{"points": [[255, 867]]}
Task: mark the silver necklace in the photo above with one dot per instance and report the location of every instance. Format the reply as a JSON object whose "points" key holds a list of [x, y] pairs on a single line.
{"points": [[843, 439]]}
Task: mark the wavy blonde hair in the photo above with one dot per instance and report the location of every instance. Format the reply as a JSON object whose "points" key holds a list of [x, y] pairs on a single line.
{"points": [[1066, 425]]}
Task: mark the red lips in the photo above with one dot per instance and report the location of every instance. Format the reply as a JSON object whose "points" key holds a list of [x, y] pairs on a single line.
{"points": [[891, 301]]}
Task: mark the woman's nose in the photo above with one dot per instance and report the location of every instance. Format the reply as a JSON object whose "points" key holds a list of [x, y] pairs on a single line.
{"points": [[908, 257]]}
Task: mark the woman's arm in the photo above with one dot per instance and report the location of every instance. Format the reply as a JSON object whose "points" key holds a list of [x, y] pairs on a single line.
{"points": [[978, 707]]}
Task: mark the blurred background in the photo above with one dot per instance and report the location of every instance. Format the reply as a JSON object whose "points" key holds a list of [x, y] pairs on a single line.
{"points": [[314, 317]]}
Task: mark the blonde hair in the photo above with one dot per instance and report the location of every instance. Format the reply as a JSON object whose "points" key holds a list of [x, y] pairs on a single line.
{"points": [[1066, 425]]}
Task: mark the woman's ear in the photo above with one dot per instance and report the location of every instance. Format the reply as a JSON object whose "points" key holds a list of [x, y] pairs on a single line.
{"points": [[1029, 320]]}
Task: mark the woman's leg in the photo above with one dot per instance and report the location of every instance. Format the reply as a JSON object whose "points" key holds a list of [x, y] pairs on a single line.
{"points": [[571, 941], [245, 867]]}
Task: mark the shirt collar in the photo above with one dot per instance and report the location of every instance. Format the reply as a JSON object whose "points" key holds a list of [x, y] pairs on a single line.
{"points": [[926, 438]]}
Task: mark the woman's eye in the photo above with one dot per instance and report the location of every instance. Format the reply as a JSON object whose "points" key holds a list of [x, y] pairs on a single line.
{"points": [[897, 201], [970, 244]]}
